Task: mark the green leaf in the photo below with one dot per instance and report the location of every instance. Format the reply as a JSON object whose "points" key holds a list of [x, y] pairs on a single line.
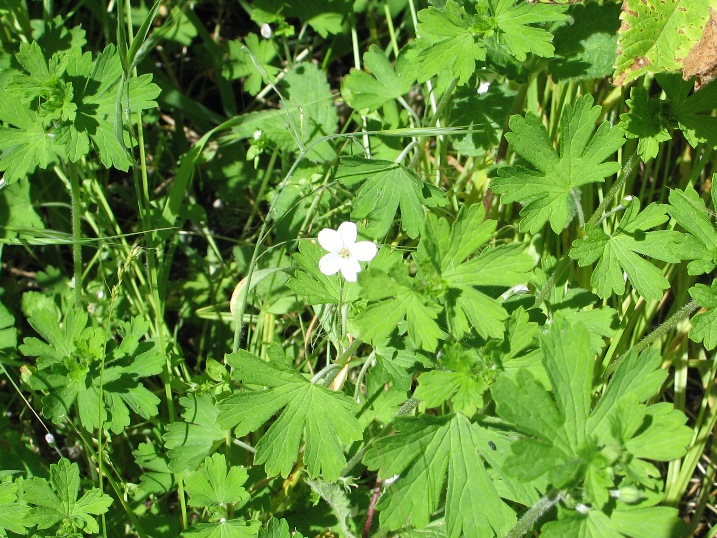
{"points": [[656, 36], [546, 191], [278, 528], [213, 484], [436, 457], [650, 522], [619, 253], [689, 210], [645, 121], [24, 145], [586, 44], [324, 419], [386, 186], [67, 105], [13, 509], [667, 437], [447, 43], [513, 31], [251, 59], [191, 441], [638, 376], [692, 111], [156, 477], [465, 389], [69, 372], [371, 90], [307, 116], [56, 501], [448, 274], [704, 324], [395, 301], [574, 444], [232, 528]]}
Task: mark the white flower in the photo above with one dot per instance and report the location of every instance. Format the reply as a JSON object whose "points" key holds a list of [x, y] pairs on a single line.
{"points": [[257, 134], [265, 31], [344, 252]]}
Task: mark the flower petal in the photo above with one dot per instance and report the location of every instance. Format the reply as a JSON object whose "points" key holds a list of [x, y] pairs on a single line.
{"points": [[331, 263], [331, 241], [348, 233], [363, 251], [350, 269]]}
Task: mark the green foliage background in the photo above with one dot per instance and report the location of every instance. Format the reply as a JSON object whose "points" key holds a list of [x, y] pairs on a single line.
{"points": [[531, 351]]}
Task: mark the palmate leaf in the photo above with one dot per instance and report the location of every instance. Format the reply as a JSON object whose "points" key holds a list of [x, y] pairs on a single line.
{"points": [[448, 41], [393, 299], [651, 120], [324, 419], [444, 456], [646, 121], [513, 30], [454, 39], [189, 442], [370, 91], [451, 277], [251, 59], [13, 510], [213, 483], [621, 252], [57, 501], [65, 106], [704, 324], [571, 443], [657, 35], [546, 191], [68, 371], [384, 187], [446, 281], [689, 210]]}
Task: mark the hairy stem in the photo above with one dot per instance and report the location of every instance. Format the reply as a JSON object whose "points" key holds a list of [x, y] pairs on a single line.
{"points": [[529, 518]]}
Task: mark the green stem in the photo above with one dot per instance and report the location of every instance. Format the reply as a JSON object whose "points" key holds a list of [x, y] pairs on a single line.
{"points": [[624, 174], [529, 518], [646, 342], [75, 194]]}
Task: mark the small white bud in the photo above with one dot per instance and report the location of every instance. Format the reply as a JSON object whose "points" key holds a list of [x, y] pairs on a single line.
{"points": [[50, 439], [483, 87], [265, 31], [582, 509], [257, 134]]}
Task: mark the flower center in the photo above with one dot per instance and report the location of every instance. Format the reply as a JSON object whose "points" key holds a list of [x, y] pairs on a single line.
{"points": [[344, 253]]}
